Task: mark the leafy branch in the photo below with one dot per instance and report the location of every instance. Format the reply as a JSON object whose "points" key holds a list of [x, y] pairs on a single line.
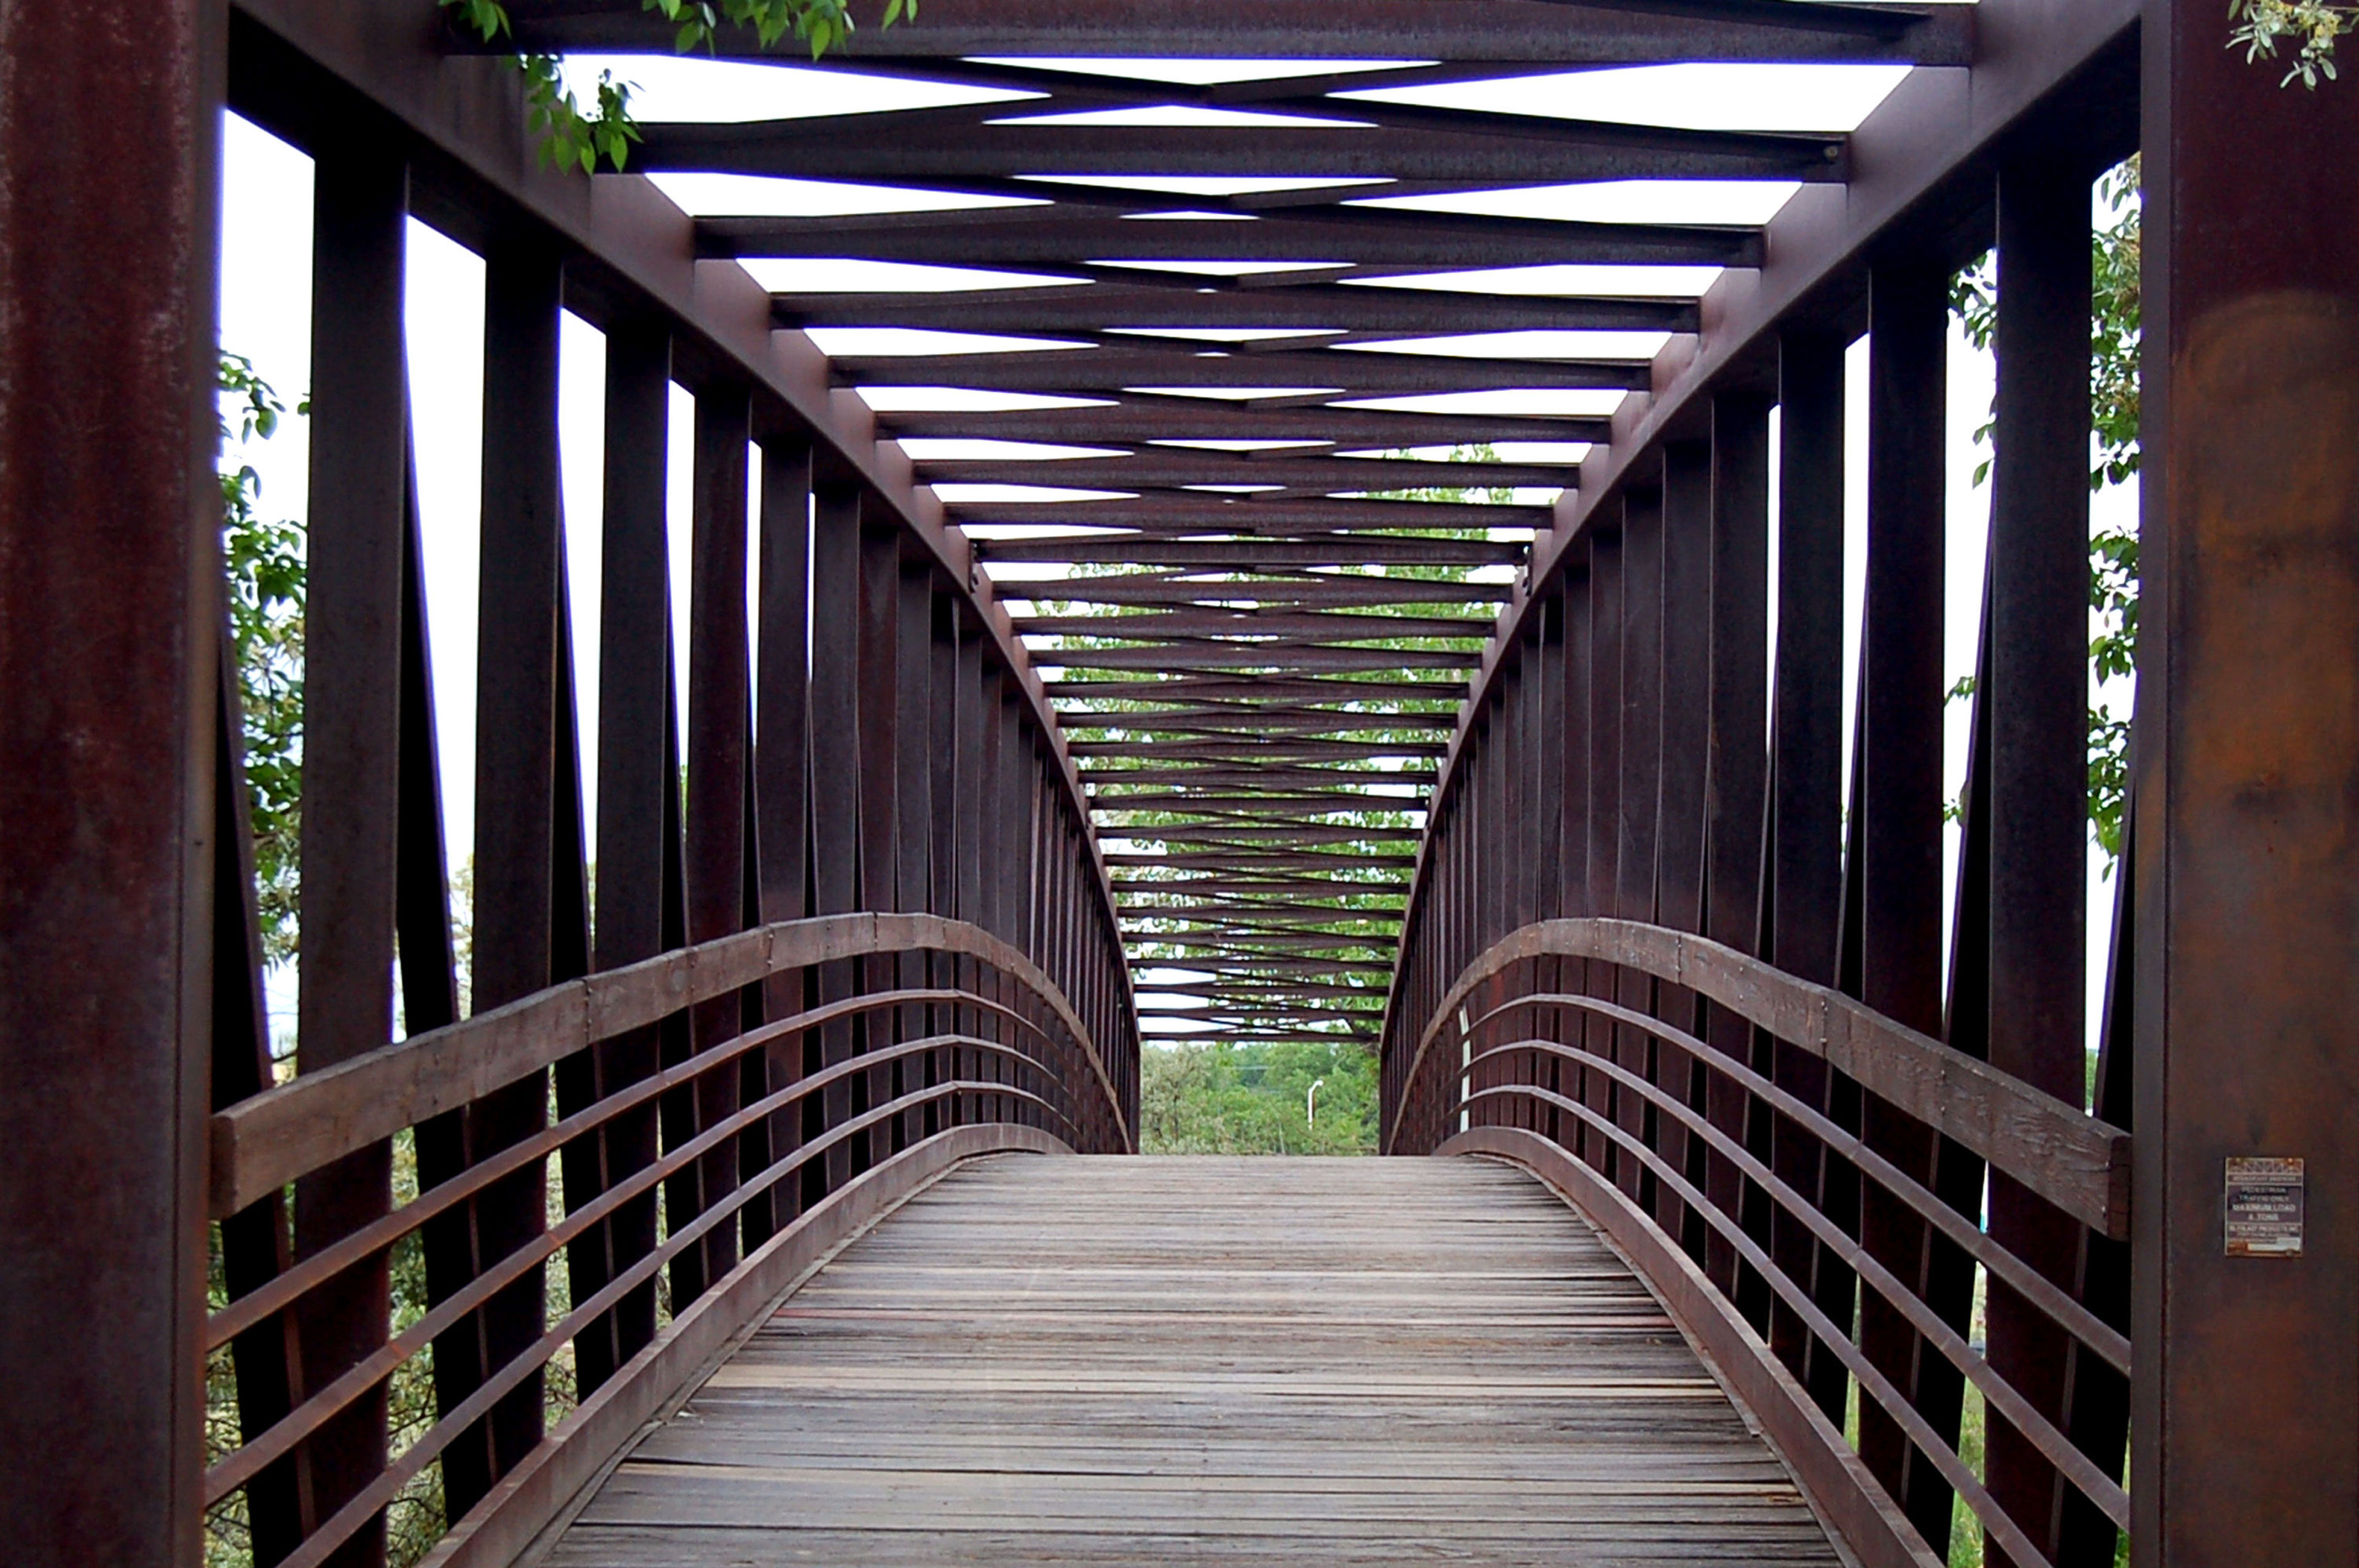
{"points": [[264, 563], [574, 137], [2264, 26]]}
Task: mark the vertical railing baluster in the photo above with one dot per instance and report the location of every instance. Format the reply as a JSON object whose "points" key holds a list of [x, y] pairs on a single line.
{"points": [[638, 791], [352, 644], [2097, 1403], [2039, 764], [1604, 796], [782, 769], [965, 830], [1736, 783], [1801, 913], [989, 854], [880, 722], [951, 699], [515, 771], [913, 661], [1642, 757], [714, 787], [1687, 714], [1576, 830], [253, 1241], [1897, 826], [1549, 720], [836, 714]]}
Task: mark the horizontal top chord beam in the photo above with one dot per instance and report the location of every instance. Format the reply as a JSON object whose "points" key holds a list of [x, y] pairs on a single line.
{"points": [[1370, 237], [1464, 149], [1100, 307], [1506, 31]]}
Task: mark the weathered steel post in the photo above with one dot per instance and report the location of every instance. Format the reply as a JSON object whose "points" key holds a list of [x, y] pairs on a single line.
{"points": [[2247, 857], [110, 605]]}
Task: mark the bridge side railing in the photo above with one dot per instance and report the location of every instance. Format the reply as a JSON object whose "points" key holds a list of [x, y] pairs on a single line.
{"points": [[993, 1058], [1722, 702], [835, 916], [1578, 1047]]}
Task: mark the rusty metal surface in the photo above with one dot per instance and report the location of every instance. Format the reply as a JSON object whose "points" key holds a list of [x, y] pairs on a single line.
{"points": [[352, 646], [2247, 750], [2038, 771], [714, 851], [110, 616]]}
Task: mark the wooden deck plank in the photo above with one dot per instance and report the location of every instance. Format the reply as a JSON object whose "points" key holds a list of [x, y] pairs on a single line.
{"points": [[1248, 1363]]}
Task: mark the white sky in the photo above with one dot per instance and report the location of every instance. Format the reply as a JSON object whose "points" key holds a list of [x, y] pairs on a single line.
{"points": [[265, 293]]}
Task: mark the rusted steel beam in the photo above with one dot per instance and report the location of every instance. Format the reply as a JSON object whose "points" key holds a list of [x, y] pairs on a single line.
{"points": [[1896, 846], [1291, 656], [1162, 469], [913, 806], [1338, 551], [1572, 896], [882, 718], [1292, 805], [1691, 574], [1737, 774], [110, 621], [639, 847], [1185, 624], [967, 789], [1493, 30], [352, 666], [1805, 848], [1636, 829], [781, 838], [717, 710], [1605, 801], [1447, 146], [1158, 420], [1310, 519], [835, 718], [1355, 236], [2246, 754], [2038, 764], [1246, 748], [1100, 307], [1292, 689], [1354, 374], [254, 1249], [1357, 591], [951, 709], [516, 760]]}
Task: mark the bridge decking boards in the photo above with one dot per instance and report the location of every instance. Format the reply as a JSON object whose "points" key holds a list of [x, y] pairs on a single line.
{"points": [[1206, 1360]]}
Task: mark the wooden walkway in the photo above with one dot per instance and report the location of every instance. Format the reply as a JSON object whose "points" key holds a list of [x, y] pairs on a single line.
{"points": [[1202, 1360]]}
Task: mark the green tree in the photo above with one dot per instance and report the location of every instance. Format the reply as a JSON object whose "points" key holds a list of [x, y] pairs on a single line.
{"points": [[264, 561], [1221, 1099]]}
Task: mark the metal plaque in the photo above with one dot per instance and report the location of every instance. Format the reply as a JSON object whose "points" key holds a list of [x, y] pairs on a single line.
{"points": [[2264, 1211]]}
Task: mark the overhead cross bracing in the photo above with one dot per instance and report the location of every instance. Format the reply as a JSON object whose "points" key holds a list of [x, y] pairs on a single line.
{"points": [[1251, 386]]}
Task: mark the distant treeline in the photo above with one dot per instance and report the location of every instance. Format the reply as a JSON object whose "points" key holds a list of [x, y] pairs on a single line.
{"points": [[1250, 1100]]}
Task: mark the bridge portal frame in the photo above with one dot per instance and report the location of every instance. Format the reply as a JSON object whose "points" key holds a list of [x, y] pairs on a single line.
{"points": [[125, 973]]}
